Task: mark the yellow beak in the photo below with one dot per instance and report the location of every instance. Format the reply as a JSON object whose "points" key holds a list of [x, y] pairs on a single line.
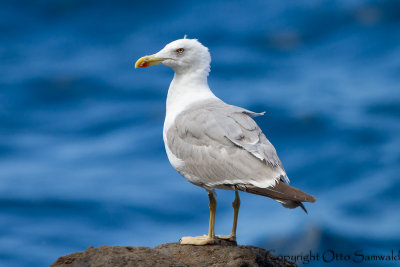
{"points": [[147, 61]]}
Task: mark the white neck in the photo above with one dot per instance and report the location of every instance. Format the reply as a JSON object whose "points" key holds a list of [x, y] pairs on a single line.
{"points": [[185, 89]]}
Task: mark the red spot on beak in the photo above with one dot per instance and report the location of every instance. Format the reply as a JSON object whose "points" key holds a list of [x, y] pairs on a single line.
{"points": [[144, 64]]}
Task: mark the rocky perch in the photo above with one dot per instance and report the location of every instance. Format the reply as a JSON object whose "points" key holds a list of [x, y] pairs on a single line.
{"points": [[172, 254]]}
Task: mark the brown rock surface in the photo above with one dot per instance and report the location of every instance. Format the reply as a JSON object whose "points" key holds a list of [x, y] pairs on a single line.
{"points": [[172, 254]]}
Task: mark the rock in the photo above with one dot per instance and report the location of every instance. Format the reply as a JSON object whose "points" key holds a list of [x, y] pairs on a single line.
{"points": [[172, 254]]}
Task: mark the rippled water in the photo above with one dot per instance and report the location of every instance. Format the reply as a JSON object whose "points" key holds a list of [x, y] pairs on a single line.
{"points": [[82, 162]]}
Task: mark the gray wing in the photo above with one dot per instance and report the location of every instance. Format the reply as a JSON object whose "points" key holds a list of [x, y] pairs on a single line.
{"points": [[221, 144]]}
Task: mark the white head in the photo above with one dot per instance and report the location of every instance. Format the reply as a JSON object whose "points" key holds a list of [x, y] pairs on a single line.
{"points": [[183, 56]]}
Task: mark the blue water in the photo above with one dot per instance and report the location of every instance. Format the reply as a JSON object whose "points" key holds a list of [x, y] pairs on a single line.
{"points": [[82, 161]]}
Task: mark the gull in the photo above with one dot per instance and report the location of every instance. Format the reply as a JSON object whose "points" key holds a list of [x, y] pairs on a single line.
{"points": [[215, 145]]}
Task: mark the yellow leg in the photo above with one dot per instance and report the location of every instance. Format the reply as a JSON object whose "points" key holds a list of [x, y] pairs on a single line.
{"points": [[205, 239], [213, 208], [236, 206]]}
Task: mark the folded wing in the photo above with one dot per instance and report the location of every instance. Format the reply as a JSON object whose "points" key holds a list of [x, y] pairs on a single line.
{"points": [[221, 144]]}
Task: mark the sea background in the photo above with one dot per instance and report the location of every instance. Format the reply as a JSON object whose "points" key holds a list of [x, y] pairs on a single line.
{"points": [[82, 160]]}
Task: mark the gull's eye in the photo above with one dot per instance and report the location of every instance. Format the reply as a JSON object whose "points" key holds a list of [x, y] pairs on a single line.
{"points": [[180, 50]]}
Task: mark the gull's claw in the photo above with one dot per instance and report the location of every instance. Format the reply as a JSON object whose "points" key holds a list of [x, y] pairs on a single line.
{"points": [[230, 237], [197, 240]]}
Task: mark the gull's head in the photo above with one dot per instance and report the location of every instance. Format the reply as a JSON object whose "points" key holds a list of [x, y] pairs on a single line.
{"points": [[183, 55]]}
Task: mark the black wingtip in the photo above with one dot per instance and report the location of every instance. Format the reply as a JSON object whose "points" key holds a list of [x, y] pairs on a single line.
{"points": [[302, 207]]}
